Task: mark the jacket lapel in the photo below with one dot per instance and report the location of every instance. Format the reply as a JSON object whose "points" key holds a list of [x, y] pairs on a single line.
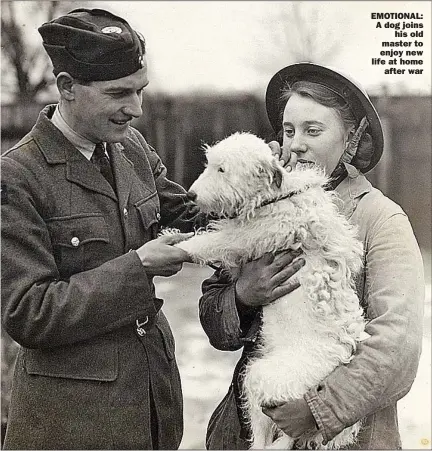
{"points": [[122, 169], [82, 172], [58, 150]]}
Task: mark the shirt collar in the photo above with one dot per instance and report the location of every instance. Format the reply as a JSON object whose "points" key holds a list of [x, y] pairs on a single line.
{"points": [[85, 146], [351, 189]]}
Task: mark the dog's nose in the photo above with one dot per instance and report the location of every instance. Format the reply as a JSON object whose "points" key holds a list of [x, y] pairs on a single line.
{"points": [[191, 195]]}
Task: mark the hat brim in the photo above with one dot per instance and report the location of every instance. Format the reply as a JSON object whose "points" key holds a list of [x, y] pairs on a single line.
{"points": [[352, 94]]}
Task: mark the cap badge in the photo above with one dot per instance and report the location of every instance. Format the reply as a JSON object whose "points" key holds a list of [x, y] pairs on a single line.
{"points": [[141, 60], [111, 30]]}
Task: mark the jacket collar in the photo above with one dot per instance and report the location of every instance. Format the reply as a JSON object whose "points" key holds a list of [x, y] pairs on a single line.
{"points": [[85, 146], [58, 150], [351, 189]]}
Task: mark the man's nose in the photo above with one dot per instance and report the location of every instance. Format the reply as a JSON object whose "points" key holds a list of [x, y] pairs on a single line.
{"points": [[134, 107]]}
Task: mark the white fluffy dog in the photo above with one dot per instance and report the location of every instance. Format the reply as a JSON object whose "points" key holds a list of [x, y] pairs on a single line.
{"points": [[312, 330]]}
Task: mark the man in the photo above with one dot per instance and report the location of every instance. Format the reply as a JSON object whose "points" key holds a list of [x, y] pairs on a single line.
{"points": [[83, 196]]}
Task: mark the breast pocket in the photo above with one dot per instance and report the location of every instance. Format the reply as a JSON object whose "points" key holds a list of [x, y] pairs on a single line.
{"points": [[148, 210], [80, 242]]}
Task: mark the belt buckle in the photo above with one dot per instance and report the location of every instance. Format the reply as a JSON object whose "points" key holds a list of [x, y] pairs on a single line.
{"points": [[140, 331]]}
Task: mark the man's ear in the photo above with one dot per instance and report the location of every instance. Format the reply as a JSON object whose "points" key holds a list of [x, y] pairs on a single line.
{"points": [[65, 85]]}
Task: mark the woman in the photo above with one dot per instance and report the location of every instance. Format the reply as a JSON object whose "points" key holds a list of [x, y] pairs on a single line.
{"points": [[324, 118]]}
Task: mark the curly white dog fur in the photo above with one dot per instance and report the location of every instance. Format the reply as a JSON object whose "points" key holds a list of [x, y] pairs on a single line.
{"points": [[309, 332]]}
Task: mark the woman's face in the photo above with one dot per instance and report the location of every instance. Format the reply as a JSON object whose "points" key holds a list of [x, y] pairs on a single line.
{"points": [[316, 133]]}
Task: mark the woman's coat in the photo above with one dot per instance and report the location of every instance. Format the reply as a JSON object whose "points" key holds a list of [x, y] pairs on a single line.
{"points": [[391, 289]]}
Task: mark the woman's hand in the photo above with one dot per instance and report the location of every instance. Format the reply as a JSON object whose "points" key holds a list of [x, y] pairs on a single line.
{"points": [[294, 417], [286, 158], [266, 279]]}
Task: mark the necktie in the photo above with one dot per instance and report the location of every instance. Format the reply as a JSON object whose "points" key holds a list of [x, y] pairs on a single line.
{"points": [[100, 159]]}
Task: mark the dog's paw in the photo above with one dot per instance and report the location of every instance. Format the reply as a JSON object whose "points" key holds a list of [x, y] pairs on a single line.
{"points": [[168, 231]]}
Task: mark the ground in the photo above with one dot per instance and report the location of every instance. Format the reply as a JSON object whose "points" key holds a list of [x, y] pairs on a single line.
{"points": [[206, 372]]}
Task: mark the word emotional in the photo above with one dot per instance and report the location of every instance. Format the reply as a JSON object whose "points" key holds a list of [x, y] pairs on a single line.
{"points": [[406, 49], [405, 16]]}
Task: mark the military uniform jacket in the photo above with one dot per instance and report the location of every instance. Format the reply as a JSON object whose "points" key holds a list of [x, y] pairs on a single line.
{"points": [[96, 350]]}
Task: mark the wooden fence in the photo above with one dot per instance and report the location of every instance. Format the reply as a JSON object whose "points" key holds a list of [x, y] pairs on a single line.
{"points": [[178, 126]]}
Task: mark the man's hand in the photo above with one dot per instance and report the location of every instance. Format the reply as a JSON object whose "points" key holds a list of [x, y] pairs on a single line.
{"points": [[266, 279], [160, 258], [286, 158], [294, 417]]}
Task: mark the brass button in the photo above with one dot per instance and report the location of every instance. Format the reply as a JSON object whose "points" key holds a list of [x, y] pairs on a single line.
{"points": [[125, 212], [158, 216], [75, 241]]}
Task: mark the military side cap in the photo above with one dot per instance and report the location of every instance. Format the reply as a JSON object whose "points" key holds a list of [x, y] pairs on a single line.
{"points": [[93, 45]]}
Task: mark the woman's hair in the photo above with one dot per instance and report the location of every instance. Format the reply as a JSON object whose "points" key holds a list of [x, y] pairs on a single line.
{"points": [[329, 98]]}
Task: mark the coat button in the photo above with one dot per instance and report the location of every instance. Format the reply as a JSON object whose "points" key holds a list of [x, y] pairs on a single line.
{"points": [[125, 212], [75, 241], [158, 216]]}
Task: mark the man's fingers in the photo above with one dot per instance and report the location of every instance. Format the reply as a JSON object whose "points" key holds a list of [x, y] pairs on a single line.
{"points": [[170, 271], [176, 238]]}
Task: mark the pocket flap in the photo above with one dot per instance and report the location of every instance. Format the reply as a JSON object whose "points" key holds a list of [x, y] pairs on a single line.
{"points": [[93, 360], [72, 231], [148, 209]]}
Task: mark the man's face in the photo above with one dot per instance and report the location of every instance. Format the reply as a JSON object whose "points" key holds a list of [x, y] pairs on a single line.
{"points": [[103, 110], [314, 132]]}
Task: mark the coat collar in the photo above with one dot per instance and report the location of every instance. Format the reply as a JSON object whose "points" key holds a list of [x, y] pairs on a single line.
{"points": [[351, 189], [58, 150]]}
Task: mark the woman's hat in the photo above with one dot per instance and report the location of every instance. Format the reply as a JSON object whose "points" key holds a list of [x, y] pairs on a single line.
{"points": [[346, 88], [93, 45]]}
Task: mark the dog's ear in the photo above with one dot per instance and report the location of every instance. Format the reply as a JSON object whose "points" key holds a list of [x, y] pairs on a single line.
{"points": [[277, 174]]}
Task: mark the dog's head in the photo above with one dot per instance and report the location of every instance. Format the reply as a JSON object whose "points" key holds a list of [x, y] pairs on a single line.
{"points": [[242, 174], [240, 170]]}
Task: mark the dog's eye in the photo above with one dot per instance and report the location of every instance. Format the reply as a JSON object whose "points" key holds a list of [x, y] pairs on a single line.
{"points": [[221, 170]]}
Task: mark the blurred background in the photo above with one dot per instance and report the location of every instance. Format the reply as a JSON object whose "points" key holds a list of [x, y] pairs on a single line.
{"points": [[209, 65]]}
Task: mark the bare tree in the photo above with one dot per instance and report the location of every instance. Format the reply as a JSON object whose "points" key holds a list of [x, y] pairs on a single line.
{"points": [[299, 31], [26, 69]]}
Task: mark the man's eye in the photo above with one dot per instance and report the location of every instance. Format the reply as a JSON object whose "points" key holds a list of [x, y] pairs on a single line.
{"points": [[117, 95], [314, 131], [288, 132]]}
